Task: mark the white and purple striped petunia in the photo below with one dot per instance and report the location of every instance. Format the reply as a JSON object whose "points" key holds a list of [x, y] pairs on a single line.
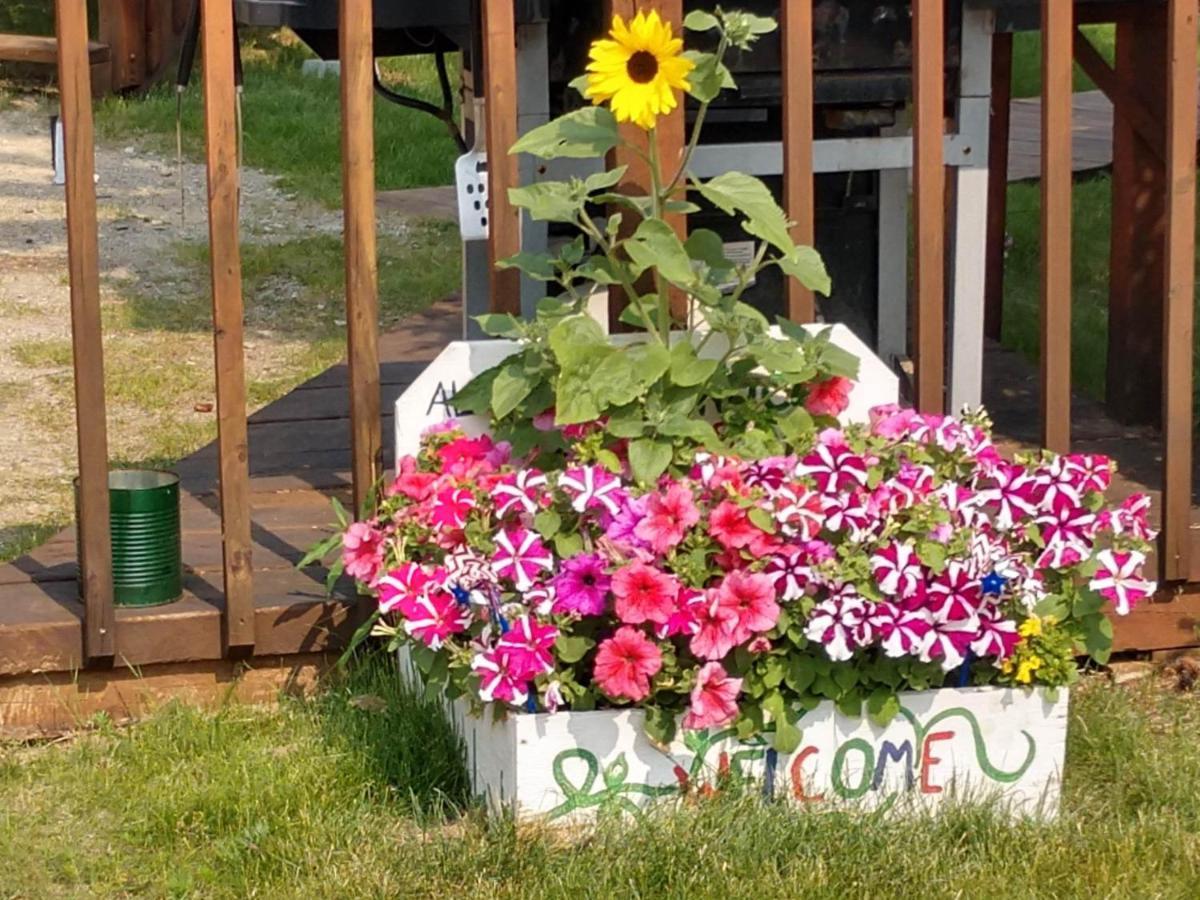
{"points": [[799, 511], [897, 570], [954, 596], [529, 647], [592, 486], [790, 573], [901, 632], [841, 624], [997, 635], [834, 468], [496, 679], [520, 555], [1119, 579], [434, 615], [1013, 496], [519, 491]]}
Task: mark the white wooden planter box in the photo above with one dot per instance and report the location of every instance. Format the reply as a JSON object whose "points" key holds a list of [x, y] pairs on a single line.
{"points": [[983, 744]]}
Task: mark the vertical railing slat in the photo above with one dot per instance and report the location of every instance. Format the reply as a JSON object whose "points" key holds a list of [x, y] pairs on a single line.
{"points": [[95, 542], [362, 274], [500, 94], [997, 212], [226, 268], [798, 185], [1057, 72], [1178, 318], [929, 212]]}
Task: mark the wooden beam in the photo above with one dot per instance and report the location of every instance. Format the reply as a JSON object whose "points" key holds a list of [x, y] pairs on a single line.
{"points": [[123, 29], [500, 120], [1178, 316], [929, 212], [225, 260], [1057, 73], [37, 48], [799, 189], [83, 265], [997, 211], [362, 274], [1096, 67]]}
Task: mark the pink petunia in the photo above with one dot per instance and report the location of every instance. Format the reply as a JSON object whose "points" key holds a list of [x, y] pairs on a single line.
{"points": [[529, 648], [683, 617], [362, 551], [410, 482], [841, 624], [520, 555], [433, 616], [401, 584], [591, 487], [668, 518], [713, 699], [834, 468], [644, 594], [451, 506], [731, 525], [497, 680], [581, 586], [625, 663], [519, 492], [829, 397], [716, 628], [896, 569], [1119, 579], [751, 598]]}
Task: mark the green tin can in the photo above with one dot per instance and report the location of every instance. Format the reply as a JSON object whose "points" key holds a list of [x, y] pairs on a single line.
{"points": [[147, 554]]}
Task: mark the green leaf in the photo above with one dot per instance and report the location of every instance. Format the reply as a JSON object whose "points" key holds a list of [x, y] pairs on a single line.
{"points": [[850, 704], [1098, 637], [762, 519], [709, 77], [631, 315], [656, 245], [476, 395], [625, 373], [587, 132], [698, 20], [933, 555], [649, 458], [536, 265], [660, 725], [805, 265], [547, 523], [574, 400], [787, 737], [688, 369], [796, 425], [736, 192], [882, 706], [498, 324], [550, 201], [602, 181], [512, 385], [698, 430], [568, 544], [571, 648], [578, 340], [706, 246], [598, 269]]}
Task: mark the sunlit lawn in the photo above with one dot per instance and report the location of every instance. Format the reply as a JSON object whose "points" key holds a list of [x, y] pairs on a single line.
{"points": [[348, 797]]}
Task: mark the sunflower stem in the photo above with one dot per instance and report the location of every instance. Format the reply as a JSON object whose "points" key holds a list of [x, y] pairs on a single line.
{"points": [[656, 206]]}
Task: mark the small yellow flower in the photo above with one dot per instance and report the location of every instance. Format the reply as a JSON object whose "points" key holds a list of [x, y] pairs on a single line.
{"points": [[1027, 667], [637, 69], [1031, 627]]}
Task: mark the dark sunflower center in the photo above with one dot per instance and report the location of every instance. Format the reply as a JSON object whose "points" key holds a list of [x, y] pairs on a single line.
{"points": [[642, 66]]}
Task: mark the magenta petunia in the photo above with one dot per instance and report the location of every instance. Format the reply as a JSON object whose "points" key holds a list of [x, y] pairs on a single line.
{"points": [[451, 506], [520, 555], [582, 585], [1119, 578], [528, 646]]}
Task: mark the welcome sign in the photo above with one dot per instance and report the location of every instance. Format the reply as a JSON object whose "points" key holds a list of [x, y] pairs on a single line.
{"points": [[990, 744]]}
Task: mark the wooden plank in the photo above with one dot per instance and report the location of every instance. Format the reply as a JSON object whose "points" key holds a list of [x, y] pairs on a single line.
{"points": [[500, 92], [1057, 72], [929, 213], [997, 211], [362, 274], [221, 140], [36, 48], [83, 263], [123, 29], [799, 189], [1178, 315], [1096, 68]]}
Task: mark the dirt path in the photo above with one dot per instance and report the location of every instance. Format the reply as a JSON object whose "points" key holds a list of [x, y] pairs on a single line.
{"points": [[158, 347]]}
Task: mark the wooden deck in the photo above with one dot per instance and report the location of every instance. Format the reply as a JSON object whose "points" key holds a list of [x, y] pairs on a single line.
{"points": [[299, 457]]}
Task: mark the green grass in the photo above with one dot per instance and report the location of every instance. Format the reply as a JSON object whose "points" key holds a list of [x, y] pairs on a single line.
{"points": [[292, 124], [356, 794], [1027, 59], [17, 540]]}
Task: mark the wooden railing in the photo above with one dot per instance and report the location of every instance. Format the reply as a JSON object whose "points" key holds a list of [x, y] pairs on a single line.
{"points": [[929, 290]]}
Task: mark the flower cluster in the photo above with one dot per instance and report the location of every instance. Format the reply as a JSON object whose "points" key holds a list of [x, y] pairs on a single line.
{"points": [[902, 554]]}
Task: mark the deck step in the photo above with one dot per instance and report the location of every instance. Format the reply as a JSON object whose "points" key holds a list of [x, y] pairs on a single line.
{"points": [[36, 48]]}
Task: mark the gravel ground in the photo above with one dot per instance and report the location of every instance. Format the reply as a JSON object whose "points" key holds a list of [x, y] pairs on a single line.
{"points": [[138, 196]]}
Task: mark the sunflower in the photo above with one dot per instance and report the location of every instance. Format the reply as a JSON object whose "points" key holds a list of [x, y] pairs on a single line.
{"points": [[636, 68]]}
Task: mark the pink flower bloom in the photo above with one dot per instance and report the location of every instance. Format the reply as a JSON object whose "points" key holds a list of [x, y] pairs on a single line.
{"points": [[434, 615], [716, 628], [1130, 518], [901, 632], [997, 635], [541, 598], [668, 518], [799, 511], [362, 551], [897, 570], [834, 468], [841, 624], [731, 525], [451, 506], [714, 698], [590, 487], [1013, 497], [497, 681], [770, 473], [411, 483], [644, 594], [751, 598], [625, 663], [848, 513], [401, 584], [683, 617], [519, 555], [529, 648], [790, 573], [465, 457], [519, 491], [954, 597], [716, 472], [948, 643], [1119, 579], [622, 528], [829, 397], [581, 586], [892, 422]]}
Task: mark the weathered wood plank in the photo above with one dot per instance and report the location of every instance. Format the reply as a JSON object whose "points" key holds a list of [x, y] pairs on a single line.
{"points": [[37, 48], [122, 27], [929, 211], [798, 187], [362, 273], [226, 268], [1179, 316], [1057, 71], [95, 552], [500, 92]]}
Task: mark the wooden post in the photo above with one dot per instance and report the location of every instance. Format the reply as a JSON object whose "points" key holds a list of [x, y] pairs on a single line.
{"points": [[362, 275], [997, 215], [671, 132], [83, 264], [226, 266], [798, 186], [1058, 29], [929, 211], [1178, 318], [123, 28], [500, 120]]}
